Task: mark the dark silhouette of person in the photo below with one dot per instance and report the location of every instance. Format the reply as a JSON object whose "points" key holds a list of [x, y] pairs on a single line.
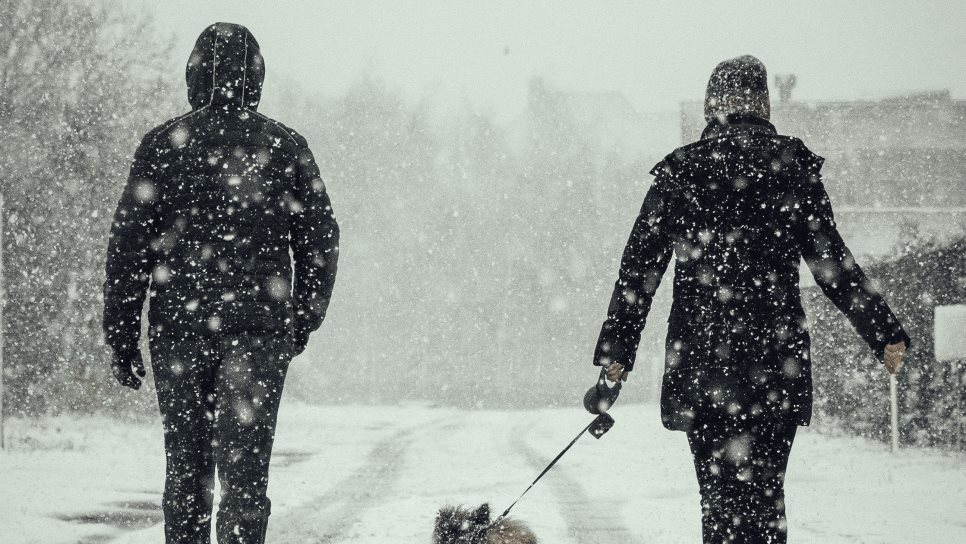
{"points": [[215, 201], [739, 209]]}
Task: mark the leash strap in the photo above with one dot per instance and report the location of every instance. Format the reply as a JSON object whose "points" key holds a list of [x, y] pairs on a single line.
{"points": [[546, 470]]}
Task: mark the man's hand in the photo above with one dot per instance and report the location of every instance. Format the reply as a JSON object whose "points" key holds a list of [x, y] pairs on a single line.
{"points": [[892, 356], [124, 365], [616, 372]]}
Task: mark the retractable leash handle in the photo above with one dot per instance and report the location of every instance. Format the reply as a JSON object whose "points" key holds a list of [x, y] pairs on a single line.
{"points": [[601, 396]]}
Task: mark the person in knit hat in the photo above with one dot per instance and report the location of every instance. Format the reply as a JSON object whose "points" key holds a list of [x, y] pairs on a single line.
{"points": [[737, 87], [739, 210]]}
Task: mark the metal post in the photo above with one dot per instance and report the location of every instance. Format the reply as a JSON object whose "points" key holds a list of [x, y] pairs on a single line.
{"points": [[961, 412], [3, 300], [894, 412]]}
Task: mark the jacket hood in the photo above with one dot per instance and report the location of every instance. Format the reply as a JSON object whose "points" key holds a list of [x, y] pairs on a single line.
{"points": [[225, 68]]}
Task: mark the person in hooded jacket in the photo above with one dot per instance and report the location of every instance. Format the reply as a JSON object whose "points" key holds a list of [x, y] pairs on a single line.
{"points": [[739, 209], [215, 201]]}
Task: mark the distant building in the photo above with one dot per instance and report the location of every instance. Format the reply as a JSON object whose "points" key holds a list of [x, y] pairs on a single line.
{"points": [[890, 164]]}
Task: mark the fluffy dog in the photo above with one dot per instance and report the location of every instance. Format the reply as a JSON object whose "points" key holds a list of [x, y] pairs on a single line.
{"points": [[458, 525]]}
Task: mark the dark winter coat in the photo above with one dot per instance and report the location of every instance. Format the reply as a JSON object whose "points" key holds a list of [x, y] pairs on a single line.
{"points": [[739, 209], [214, 201]]}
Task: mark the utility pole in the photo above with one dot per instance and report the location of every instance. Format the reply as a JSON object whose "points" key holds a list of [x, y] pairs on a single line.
{"points": [[785, 83]]}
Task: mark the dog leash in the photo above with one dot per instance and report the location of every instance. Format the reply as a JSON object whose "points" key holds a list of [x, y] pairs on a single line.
{"points": [[600, 425]]}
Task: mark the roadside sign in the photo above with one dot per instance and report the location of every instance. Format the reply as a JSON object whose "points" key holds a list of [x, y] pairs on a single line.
{"points": [[950, 332]]}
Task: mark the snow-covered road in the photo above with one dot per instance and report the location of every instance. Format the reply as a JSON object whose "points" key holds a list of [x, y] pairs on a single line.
{"points": [[378, 474]]}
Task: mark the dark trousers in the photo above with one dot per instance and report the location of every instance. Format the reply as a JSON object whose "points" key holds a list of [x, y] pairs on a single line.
{"points": [[741, 475], [219, 398]]}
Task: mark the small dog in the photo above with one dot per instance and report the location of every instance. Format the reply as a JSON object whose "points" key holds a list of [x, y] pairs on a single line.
{"points": [[458, 525]]}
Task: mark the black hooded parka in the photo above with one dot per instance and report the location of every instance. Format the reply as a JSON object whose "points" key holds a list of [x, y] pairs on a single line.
{"points": [[739, 210], [214, 201]]}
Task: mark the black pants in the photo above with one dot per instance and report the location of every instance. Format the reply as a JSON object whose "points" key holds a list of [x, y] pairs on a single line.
{"points": [[219, 398], [741, 475]]}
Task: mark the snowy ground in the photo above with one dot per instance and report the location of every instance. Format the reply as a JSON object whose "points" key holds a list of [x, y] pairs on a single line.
{"points": [[378, 474]]}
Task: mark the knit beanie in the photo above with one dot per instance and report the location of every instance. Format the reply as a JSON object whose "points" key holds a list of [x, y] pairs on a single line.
{"points": [[738, 85]]}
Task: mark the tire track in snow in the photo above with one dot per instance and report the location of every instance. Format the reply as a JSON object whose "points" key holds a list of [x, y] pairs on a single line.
{"points": [[326, 518], [587, 522]]}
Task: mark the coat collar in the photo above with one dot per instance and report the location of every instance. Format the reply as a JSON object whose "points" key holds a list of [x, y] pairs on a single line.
{"points": [[737, 123]]}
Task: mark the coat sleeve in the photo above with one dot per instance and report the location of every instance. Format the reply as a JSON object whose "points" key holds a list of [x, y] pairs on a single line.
{"points": [[840, 277], [645, 259], [315, 246], [129, 257]]}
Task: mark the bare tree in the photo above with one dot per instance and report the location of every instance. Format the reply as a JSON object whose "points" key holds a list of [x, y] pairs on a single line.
{"points": [[79, 82]]}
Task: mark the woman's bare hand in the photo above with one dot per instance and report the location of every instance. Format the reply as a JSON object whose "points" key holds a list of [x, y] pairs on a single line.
{"points": [[616, 372], [892, 357]]}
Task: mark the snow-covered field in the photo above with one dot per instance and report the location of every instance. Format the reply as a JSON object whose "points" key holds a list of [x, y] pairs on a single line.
{"points": [[378, 474]]}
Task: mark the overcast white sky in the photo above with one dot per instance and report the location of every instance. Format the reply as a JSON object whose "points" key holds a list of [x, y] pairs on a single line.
{"points": [[657, 53]]}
